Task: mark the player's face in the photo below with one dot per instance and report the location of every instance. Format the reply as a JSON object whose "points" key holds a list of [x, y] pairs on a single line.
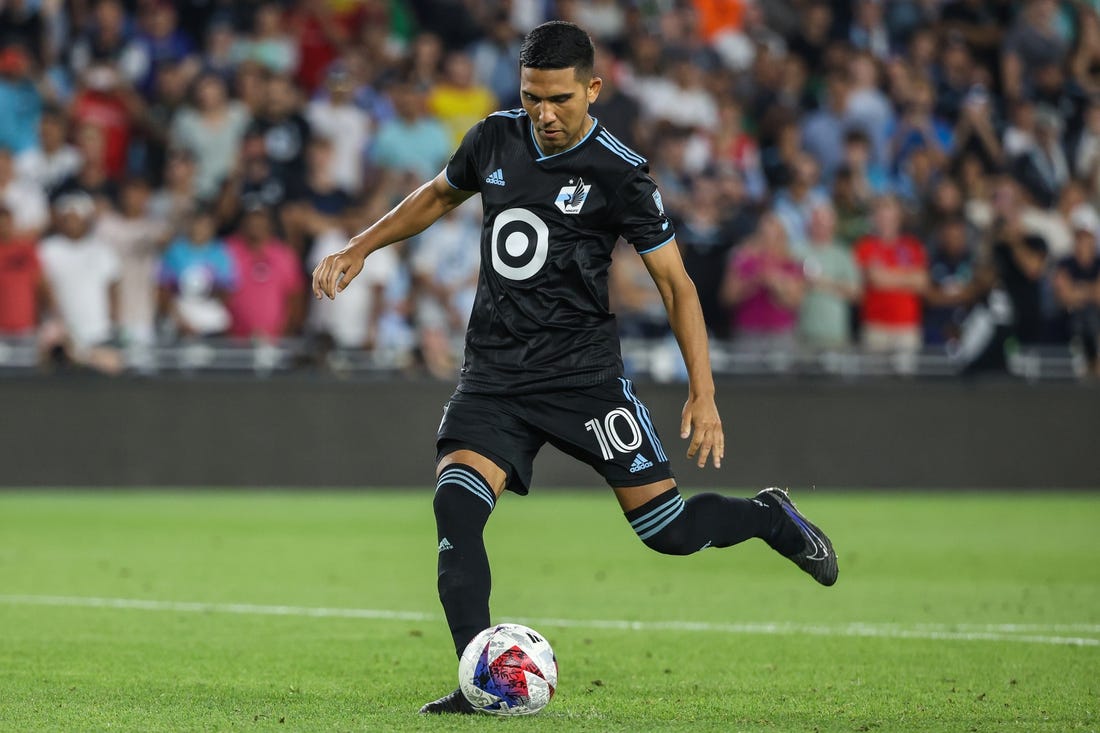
{"points": [[557, 103]]}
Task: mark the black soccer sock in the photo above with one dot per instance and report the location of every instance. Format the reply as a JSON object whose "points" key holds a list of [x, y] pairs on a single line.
{"points": [[463, 502], [673, 526]]}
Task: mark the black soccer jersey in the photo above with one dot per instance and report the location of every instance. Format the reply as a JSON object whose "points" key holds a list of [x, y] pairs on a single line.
{"points": [[541, 319]]}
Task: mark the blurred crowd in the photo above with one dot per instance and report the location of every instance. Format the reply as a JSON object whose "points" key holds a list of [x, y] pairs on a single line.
{"points": [[891, 176]]}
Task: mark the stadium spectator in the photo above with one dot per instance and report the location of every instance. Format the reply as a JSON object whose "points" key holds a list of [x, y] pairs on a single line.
{"points": [[92, 178], [823, 131], [764, 288], [953, 286], [106, 41], [159, 43], [1077, 288], [895, 275], [269, 44], [458, 101], [284, 129], [267, 302], [412, 141], [354, 322], [195, 278], [322, 205], [832, 285], [153, 121], [445, 271], [137, 239], [853, 211], [23, 287], [1033, 41], [868, 109], [105, 106], [975, 133], [211, 129], [868, 31], [335, 117], [813, 34], [496, 61], [175, 203], [706, 232], [83, 273], [681, 99], [1087, 155], [1041, 165], [917, 128], [20, 101], [736, 151], [253, 182], [794, 203], [1019, 261], [53, 159], [1085, 63], [23, 198], [22, 26]]}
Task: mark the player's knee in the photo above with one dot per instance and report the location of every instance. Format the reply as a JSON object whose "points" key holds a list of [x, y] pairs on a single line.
{"points": [[662, 525], [672, 540], [458, 491]]}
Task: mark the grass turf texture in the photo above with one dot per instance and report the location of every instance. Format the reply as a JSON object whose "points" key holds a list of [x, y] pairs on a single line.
{"points": [[907, 559]]}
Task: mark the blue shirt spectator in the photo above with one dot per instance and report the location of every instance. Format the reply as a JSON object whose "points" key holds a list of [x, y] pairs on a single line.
{"points": [[20, 102], [412, 141]]}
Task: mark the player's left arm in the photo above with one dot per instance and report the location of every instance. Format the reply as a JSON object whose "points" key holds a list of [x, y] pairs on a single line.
{"points": [[700, 418]]}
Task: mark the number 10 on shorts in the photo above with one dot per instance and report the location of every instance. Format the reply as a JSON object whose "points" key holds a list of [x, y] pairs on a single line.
{"points": [[609, 432]]}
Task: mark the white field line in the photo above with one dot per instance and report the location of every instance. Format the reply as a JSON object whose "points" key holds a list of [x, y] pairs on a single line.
{"points": [[1026, 633]]}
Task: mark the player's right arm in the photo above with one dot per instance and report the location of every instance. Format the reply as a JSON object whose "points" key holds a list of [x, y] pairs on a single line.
{"points": [[417, 212]]}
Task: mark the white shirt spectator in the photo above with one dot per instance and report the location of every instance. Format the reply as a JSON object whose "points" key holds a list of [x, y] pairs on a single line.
{"points": [[348, 318], [444, 255], [682, 106], [27, 203], [48, 170], [81, 273], [348, 128], [136, 243]]}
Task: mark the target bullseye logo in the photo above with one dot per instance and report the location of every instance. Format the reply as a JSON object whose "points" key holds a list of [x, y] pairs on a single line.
{"points": [[521, 241]]}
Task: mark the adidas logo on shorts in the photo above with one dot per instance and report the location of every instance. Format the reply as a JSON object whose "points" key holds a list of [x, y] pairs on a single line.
{"points": [[640, 463]]}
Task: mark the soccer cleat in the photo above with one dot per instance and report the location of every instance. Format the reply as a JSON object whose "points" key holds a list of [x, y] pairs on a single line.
{"points": [[455, 703], [817, 557]]}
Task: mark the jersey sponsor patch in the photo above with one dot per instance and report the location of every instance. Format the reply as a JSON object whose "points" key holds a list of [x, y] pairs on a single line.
{"points": [[572, 197]]}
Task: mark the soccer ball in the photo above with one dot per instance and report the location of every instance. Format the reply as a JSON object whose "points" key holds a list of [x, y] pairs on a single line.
{"points": [[508, 669]]}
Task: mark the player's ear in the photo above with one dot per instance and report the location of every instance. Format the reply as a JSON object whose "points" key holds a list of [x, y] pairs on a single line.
{"points": [[594, 86]]}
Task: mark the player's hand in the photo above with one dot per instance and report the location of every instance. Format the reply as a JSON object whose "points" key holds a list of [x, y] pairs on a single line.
{"points": [[701, 423], [336, 271]]}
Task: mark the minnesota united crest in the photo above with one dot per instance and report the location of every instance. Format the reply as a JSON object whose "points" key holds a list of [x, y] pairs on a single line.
{"points": [[572, 197]]}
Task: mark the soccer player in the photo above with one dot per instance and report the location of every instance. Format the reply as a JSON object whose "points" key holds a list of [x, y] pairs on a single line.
{"points": [[542, 361]]}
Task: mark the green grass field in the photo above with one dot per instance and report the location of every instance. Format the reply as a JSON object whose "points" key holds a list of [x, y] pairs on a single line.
{"points": [[317, 611]]}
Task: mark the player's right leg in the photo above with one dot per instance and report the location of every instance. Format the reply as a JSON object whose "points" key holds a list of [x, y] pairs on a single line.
{"points": [[482, 449]]}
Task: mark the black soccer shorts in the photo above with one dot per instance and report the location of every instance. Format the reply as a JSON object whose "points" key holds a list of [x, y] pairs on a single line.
{"points": [[606, 426]]}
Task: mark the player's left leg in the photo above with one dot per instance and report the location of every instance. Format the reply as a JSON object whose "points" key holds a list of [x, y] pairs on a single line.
{"points": [[672, 525]]}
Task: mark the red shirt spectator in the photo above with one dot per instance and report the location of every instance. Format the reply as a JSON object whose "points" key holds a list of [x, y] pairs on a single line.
{"points": [[268, 299], [102, 106], [887, 305], [21, 281]]}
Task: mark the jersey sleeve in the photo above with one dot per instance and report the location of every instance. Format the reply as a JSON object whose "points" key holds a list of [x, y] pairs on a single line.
{"points": [[461, 170], [640, 213]]}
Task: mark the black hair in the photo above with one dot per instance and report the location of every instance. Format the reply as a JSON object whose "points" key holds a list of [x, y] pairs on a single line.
{"points": [[559, 45]]}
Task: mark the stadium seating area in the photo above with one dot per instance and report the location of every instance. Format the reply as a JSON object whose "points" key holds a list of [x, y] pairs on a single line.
{"points": [[858, 188]]}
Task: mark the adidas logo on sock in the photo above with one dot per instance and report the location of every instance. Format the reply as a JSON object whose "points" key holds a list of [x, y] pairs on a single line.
{"points": [[444, 545], [640, 463], [496, 177]]}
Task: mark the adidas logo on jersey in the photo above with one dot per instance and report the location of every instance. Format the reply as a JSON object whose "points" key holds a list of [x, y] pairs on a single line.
{"points": [[444, 544], [496, 177], [640, 463]]}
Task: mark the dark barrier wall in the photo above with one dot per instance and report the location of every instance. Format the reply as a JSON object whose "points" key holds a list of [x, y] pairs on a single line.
{"points": [[315, 432]]}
